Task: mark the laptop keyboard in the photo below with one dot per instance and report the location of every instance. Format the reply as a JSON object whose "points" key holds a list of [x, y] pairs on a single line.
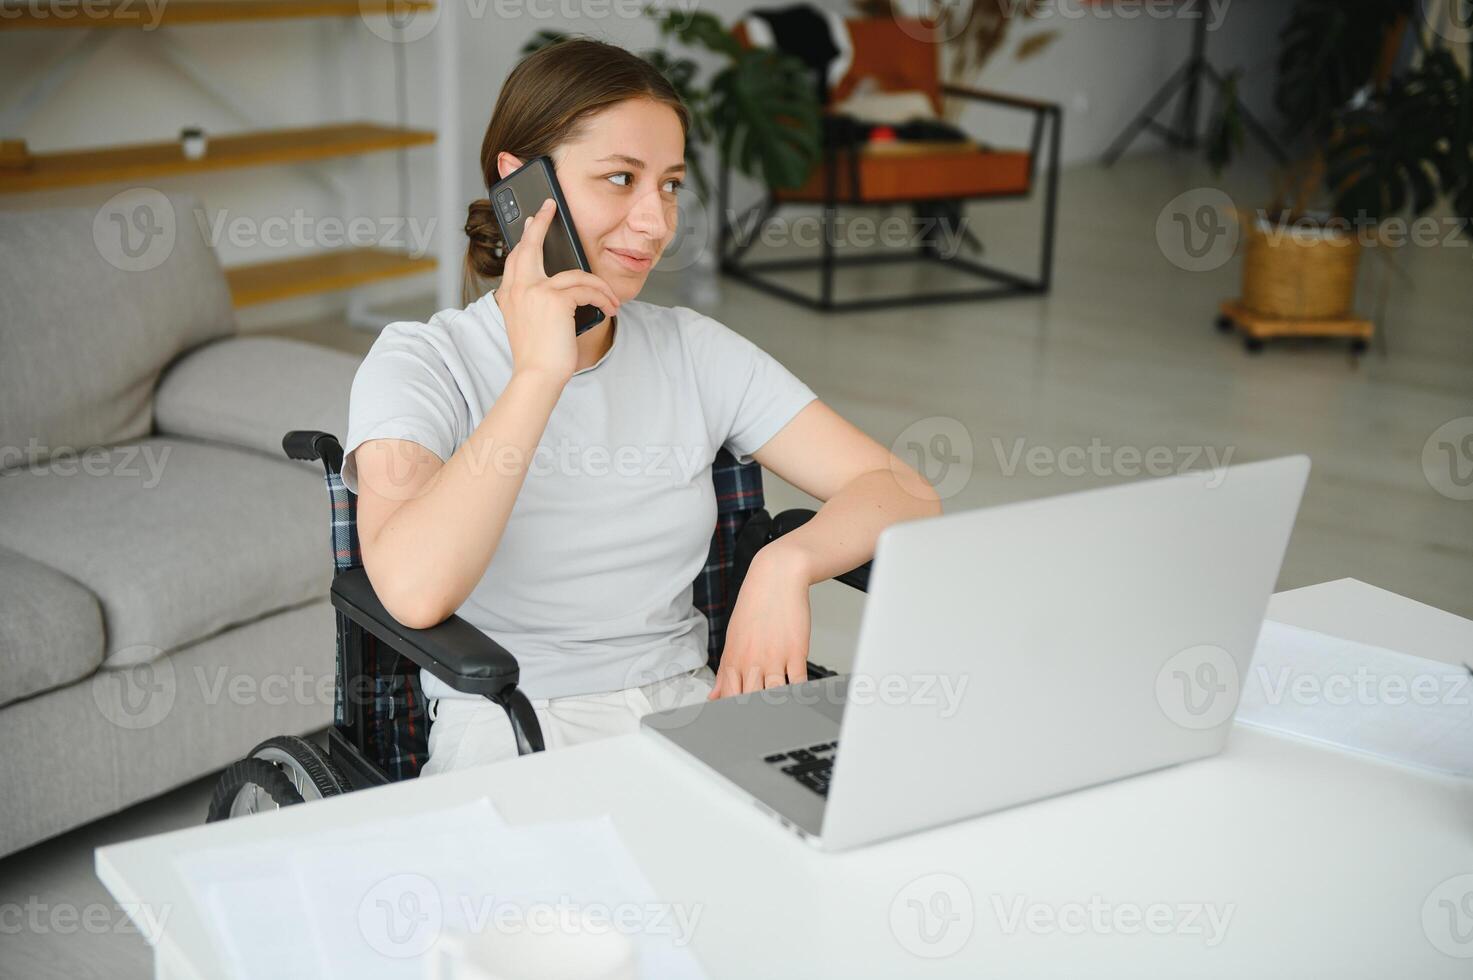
{"points": [[811, 766]]}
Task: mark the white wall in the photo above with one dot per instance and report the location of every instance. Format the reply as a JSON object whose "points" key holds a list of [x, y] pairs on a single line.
{"points": [[1103, 67]]}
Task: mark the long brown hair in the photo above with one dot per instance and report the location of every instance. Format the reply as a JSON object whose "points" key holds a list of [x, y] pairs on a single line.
{"points": [[543, 104]]}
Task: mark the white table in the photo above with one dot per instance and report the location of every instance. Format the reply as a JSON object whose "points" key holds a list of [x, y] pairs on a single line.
{"points": [[1323, 862]]}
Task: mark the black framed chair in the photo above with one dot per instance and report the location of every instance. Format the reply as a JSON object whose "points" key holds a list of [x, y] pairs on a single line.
{"points": [[380, 730], [852, 174]]}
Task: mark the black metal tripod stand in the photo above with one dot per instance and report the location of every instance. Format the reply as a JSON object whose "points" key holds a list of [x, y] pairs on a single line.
{"points": [[1182, 134]]}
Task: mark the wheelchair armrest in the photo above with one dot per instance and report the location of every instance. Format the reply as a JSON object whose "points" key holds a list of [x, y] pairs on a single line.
{"points": [[453, 651], [789, 520]]}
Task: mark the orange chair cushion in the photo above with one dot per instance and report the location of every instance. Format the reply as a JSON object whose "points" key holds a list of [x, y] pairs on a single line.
{"points": [[981, 173], [900, 60]]}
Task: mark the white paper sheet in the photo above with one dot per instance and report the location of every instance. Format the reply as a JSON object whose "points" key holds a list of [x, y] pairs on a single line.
{"points": [[1396, 706], [371, 901]]}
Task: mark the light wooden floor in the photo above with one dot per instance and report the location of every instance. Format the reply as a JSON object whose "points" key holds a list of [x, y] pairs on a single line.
{"points": [[1122, 352]]}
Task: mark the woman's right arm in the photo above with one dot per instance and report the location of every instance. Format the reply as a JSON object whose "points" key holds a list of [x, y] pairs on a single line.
{"points": [[427, 529]]}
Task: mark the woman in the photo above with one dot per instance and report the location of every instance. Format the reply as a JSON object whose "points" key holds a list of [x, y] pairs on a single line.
{"points": [[555, 490]]}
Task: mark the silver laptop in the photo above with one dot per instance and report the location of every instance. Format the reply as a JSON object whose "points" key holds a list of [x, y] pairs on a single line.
{"points": [[1016, 652]]}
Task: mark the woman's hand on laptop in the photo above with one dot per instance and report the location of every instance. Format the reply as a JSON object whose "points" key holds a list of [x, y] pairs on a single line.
{"points": [[767, 635]]}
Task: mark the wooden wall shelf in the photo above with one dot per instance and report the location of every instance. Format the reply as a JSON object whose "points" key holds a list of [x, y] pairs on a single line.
{"points": [[265, 282], [137, 14], [141, 161]]}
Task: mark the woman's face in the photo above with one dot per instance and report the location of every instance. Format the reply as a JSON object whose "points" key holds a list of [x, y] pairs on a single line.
{"points": [[620, 181]]}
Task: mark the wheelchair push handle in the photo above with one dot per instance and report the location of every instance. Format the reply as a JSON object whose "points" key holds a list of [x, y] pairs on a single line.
{"points": [[309, 444]]}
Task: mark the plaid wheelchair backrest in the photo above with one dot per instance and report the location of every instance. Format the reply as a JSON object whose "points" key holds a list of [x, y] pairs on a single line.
{"points": [[399, 729]]}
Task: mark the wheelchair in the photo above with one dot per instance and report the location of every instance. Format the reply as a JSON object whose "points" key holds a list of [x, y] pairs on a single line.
{"points": [[380, 730]]}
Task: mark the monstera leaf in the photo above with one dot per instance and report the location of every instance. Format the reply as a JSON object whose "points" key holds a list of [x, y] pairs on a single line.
{"points": [[1328, 51], [767, 114], [1401, 147], [762, 104]]}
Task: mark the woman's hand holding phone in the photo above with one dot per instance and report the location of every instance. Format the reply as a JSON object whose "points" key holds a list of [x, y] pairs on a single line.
{"points": [[539, 309]]}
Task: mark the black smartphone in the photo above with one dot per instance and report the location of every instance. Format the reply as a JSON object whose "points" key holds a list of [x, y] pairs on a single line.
{"points": [[516, 197]]}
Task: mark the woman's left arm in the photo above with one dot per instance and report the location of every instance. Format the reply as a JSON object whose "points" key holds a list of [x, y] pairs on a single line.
{"points": [[864, 488]]}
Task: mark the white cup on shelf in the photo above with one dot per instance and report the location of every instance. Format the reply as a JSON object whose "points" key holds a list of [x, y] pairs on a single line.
{"points": [[192, 140]]}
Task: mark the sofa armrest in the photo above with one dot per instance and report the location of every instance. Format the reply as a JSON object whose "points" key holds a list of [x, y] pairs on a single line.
{"points": [[453, 651], [247, 391]]}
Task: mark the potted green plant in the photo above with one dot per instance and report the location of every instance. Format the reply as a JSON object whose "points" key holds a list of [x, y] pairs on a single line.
{"points": [[1379, 134], [759, 108]]}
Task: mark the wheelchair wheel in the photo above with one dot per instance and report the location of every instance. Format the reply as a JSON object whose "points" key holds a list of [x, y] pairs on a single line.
{"points": [[281, 771]]}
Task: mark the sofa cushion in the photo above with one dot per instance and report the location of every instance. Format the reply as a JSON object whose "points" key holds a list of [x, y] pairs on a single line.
{"points": [[250, 391], [88, 317], [178, 539], [50, 629]]}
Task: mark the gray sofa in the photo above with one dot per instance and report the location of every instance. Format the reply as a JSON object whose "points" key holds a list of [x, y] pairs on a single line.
{"points": [[163, 567]]}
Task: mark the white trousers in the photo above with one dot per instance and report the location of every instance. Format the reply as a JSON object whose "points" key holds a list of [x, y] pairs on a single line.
{"points": [[474, 731]]}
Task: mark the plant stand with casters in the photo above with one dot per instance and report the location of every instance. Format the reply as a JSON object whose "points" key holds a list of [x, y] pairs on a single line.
{"points": [[1257, 328]]}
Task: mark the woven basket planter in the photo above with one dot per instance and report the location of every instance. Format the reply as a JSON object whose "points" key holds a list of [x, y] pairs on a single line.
{"points": [[1298, 273]]}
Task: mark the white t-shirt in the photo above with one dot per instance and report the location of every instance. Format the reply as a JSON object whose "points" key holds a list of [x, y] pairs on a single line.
{"points": [[590, 585]]}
